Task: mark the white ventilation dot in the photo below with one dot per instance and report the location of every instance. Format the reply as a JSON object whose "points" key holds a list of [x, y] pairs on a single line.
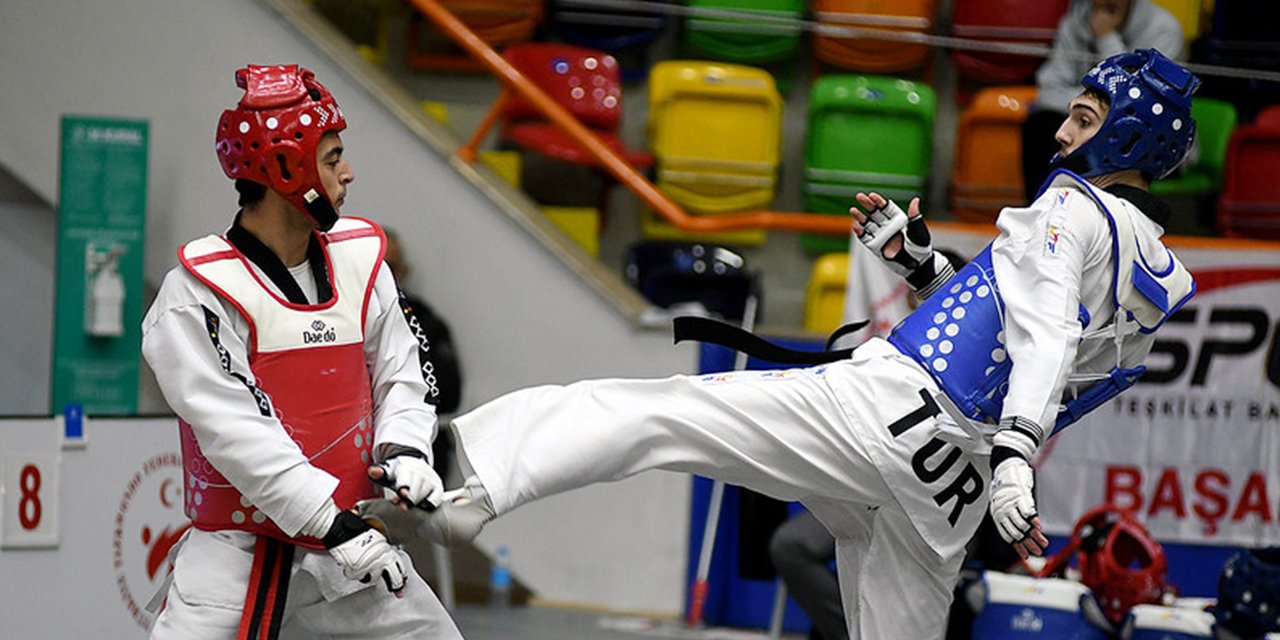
{"points": [[932, 333], [1134, 93], [945, 347], [244, 127], [1177, 124], [952, 330], [998, 355], [1157, 108], [237, 517], [272, 123], [305, 119], [926, 350], [983, 291], [940, 364], [958, 313]]}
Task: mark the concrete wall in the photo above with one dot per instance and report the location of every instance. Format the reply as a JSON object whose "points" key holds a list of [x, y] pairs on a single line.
{"points": [[520, 315]]}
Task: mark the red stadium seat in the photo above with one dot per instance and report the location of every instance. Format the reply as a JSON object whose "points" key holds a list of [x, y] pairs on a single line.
{"points": [[1249, 205], [586, 82], [1020, 21]]}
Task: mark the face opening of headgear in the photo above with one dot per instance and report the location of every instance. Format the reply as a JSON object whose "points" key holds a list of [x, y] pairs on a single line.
{"points": [[1119, 560], [1148, 126], [272, 136]]}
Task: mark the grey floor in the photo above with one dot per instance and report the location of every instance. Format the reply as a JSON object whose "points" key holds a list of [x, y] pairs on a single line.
{"points": [[550, 623]]}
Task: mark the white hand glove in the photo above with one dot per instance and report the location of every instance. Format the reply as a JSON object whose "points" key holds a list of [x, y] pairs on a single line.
{"points": [[889, 221], [413, 479], [363, 552], [1012, 505]]}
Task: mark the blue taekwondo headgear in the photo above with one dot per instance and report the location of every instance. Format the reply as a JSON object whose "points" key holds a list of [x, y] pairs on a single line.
{"points": [[1148, 125], [1249, 593]]}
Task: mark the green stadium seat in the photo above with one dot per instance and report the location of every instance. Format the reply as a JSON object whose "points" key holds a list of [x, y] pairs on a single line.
{"points": [[865, 133]]}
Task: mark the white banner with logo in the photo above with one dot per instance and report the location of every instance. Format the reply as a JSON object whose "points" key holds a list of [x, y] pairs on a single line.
{"points": [[1194, 447], [115, 511]]}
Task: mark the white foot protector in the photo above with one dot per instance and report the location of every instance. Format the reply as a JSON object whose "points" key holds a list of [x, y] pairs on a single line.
{"points": [[456, 522]]}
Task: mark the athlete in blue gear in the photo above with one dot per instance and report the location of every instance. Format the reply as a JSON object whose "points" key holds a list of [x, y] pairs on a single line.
{"points": [[898, 448]]}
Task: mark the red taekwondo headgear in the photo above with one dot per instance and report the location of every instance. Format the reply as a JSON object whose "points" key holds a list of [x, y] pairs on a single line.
{"points": [[271, 137]]}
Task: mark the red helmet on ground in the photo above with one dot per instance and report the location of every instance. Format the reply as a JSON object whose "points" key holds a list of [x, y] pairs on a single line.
{"points": [[271, 137], [1119, 561]]}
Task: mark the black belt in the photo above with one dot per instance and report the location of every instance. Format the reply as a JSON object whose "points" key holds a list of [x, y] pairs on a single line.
{"points": [[739, 339]]}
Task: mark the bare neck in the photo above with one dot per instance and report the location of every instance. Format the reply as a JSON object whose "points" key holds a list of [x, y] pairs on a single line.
{"points": [[280, 226], [1130, 177]]}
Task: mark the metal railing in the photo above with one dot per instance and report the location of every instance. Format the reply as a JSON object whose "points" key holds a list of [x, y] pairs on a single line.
{"points": [[626, 175]]}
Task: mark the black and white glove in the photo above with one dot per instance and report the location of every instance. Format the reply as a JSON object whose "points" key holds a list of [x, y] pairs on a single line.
{"points": [[410, 475], [363, 552], [924, 269]]}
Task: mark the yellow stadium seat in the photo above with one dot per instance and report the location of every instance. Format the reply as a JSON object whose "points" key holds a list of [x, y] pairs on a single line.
{"points": [[581, 224], [824, 295], [715, 130], [438, 111], [1188, 14], [653, 228], [504, 163]]}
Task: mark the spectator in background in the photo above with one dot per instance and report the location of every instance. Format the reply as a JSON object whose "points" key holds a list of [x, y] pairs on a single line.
{"points": [[443, 356], [1092, 30]]}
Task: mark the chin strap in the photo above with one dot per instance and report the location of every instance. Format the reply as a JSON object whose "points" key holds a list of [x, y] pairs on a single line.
{"points": [[320, 209]]}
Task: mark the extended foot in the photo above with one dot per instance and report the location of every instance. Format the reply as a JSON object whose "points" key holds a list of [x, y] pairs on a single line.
{"points": [[456, 522]]}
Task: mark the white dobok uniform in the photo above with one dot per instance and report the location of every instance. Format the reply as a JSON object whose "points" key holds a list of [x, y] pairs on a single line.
{"points": [[210, 384], [859, 441]]}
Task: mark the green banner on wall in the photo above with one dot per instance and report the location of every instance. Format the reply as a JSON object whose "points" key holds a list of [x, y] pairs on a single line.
{"points": [[102, 202]]}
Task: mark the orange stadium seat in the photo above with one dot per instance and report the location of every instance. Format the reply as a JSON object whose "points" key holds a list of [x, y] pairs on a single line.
{"points": [[497, 22], [873, 55], [988, 166]]}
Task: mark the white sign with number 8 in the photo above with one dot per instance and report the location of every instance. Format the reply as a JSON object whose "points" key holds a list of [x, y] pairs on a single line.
{"points": [[29, 483]]}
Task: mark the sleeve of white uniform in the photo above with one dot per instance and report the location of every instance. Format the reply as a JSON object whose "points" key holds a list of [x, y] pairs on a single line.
{"points": [[1038, 263], [205, 377], [404, 389]]}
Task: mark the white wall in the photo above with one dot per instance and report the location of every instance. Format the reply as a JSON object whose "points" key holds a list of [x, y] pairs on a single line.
{"points": [[520, 316], [26, 287]]}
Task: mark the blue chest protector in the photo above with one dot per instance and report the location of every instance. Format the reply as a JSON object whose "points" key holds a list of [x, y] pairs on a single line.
{"points": [[958, 336]]}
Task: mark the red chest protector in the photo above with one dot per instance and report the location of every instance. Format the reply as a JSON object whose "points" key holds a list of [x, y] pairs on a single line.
{"points": [[309, 360]]}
